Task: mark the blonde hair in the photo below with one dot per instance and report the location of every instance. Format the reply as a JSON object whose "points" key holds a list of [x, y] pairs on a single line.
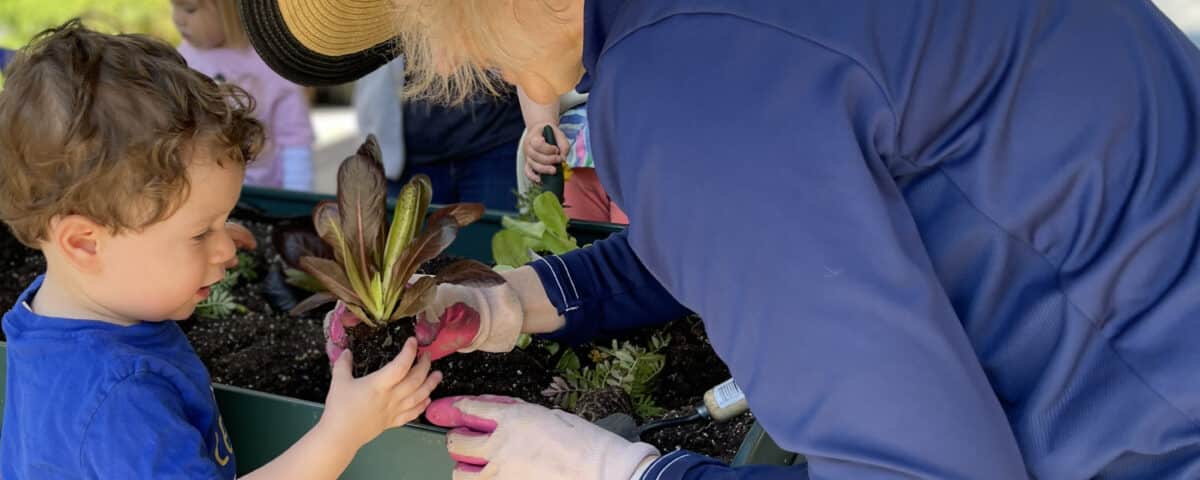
{"points": [[455, 49], [231, 23]]}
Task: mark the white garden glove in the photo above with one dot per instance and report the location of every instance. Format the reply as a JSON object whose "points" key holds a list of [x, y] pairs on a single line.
{"points": [[459, 318], [468, 318], [504, 438]]}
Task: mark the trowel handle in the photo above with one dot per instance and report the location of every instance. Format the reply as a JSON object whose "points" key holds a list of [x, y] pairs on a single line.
{"points": [[552, 182], [724, 402], [670, 422]]}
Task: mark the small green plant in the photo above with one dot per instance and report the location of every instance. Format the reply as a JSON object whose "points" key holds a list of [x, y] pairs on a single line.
{"points": [[220, 303], [630, 367], [543, 229], [525, 202], [245, 269]]}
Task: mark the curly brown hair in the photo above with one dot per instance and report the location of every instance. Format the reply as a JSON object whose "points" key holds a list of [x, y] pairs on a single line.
{"points": [[101, 125]]}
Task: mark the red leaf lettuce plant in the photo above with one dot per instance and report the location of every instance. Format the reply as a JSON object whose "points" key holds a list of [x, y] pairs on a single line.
{"points": [[372, 265]]}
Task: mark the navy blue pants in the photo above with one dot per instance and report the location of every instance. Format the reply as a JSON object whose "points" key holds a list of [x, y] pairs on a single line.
{"points": [[489, 178]]}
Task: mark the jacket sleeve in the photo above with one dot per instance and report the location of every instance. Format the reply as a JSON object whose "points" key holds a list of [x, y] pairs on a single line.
{"points": [[685, 465], [603, 289]]}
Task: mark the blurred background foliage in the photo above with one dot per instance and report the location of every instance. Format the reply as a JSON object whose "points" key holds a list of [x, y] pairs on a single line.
{"points": [[20, 20]]}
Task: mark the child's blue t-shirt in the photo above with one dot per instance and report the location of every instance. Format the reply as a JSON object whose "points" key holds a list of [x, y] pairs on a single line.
{"points": [[90, 400]]}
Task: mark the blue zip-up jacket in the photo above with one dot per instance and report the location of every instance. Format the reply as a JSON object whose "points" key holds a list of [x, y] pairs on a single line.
{"points": [[93, 400], [932, 239]]}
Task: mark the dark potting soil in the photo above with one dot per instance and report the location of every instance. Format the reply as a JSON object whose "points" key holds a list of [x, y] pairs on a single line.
{"points": [[19, 266], [265, 349]]}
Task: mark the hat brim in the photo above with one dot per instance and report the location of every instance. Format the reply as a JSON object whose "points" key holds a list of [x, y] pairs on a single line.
{"points": [[321, 42]]}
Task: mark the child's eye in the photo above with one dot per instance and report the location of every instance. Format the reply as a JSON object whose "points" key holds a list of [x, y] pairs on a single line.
{"points": [[202, 235]]}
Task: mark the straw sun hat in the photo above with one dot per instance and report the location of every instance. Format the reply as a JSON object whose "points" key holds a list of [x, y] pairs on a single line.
{"points": [[321, 42]]}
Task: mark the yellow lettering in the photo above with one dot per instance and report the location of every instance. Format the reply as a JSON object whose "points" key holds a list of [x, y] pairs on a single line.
{"points": [[222, 461], [218, 441], [225, 435]]}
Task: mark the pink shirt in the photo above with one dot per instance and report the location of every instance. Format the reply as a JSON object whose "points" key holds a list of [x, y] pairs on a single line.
{"points": [[279, 104]]}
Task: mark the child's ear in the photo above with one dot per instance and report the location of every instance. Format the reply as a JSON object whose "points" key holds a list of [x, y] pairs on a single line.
{"points": [[76, 238]]}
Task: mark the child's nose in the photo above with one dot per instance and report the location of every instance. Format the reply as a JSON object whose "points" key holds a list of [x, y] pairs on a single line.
{"points": [[224, 250]]}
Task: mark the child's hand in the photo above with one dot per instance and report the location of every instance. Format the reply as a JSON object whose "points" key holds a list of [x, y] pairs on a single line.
{"points": [[358, 409], [541, 157]]}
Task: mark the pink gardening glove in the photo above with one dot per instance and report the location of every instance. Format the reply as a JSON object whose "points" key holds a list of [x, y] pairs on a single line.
{"points": [[505, 438], [460, 319], [335, 324], [466, 318]]}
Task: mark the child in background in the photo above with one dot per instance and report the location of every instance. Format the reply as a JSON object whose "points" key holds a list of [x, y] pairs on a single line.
{"points": [[121, 165], [214, 42], [583, 193], [584, 197]]}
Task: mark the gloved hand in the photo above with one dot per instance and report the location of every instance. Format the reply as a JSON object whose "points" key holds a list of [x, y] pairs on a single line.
{"points": [[505, 438], [471, 318], [335, 324], [465, 319]]}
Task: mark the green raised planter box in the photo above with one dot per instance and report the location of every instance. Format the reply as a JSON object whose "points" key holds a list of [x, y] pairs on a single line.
{"points": [[261, 425]]}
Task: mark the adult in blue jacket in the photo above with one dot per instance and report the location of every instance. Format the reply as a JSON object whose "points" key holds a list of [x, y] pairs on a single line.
{"points": [[930, 239]]}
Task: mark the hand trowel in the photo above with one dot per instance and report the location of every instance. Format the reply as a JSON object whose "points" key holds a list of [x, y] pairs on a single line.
{"points": [[721, 403]]}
